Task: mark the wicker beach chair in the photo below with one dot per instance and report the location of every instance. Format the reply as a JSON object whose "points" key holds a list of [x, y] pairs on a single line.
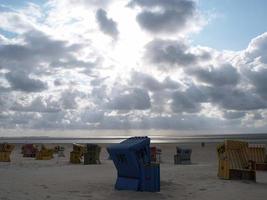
{"points": [[92, 154], [29, 150], [59, 150], [135, 170], [234, 161], [45, 153], [76, 155], [182, 156], [5, 152]]}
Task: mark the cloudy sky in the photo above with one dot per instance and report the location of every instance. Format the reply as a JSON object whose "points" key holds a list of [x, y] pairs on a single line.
{"points": [[136, 64]]}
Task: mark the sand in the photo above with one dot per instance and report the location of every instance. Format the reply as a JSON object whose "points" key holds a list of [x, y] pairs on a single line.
{"points": [[26, 178]]}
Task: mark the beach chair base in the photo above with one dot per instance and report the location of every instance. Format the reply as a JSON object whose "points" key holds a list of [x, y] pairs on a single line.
{"points": [[261, 166], [29, 155], [179, 161], [75, 158], [91, 158], [45, 154]]}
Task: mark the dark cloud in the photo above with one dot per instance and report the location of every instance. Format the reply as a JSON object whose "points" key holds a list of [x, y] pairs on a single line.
{"points": [[234, 99], [169, 52], [223, 75], [233, 115], [35, 49], [19, 80], [182, 103], [166, 16], [68, 99], [149, 82], [259, 80], [196, 94], [107, 25], [39, 104], [132, 99]]}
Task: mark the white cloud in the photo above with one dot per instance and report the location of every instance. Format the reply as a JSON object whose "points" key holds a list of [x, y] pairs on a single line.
{"points": [[58, 69]]}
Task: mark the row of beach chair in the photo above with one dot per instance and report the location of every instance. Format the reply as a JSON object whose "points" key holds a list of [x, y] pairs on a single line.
{"points": [[138, 164]]}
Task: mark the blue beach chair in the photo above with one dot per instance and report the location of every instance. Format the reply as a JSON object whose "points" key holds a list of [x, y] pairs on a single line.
{"points": [[133, 163]]}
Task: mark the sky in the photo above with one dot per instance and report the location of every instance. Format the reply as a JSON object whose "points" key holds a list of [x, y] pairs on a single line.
{"points": [[182, 65]]}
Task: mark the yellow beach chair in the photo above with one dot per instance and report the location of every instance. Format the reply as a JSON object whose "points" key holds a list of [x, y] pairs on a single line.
{"points": [[257, 153], [234, 161], [5, 152], [45, 153], [77, 154]]}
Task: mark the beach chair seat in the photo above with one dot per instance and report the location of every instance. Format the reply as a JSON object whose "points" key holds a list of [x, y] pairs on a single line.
{"points": [[234, 161], [92, 154], [135, 171]]}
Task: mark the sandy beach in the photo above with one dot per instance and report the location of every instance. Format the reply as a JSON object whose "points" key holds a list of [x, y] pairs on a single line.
{"points": [[27, 178]]}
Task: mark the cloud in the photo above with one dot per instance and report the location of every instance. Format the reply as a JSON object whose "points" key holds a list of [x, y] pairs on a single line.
{"points": [[234, 99], [182, 103], [233, 115], [168, 52], [132, 99], [68, 98], [167, 16], [90, 3], [59, 71], [257, 48], [225, 74], [149, 82], [39, 104], [107, 25], [35, 49], [259, 81], [21, 81]]}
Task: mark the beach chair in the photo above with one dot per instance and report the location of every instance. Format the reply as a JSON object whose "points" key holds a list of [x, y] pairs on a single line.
{"points": [[59, 150], [5, 152], [234, 161], [182, 156], [155, 154], [135, 171], [45, 153], [29, 150], [77, 153], [257, 153], [92, 154]]}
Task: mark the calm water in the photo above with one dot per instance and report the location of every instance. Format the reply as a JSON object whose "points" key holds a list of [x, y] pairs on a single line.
{"points": [[112, 136]]}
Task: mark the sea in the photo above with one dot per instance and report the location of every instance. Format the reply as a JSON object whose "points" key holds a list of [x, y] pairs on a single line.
{"points": [[116, 136]]}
